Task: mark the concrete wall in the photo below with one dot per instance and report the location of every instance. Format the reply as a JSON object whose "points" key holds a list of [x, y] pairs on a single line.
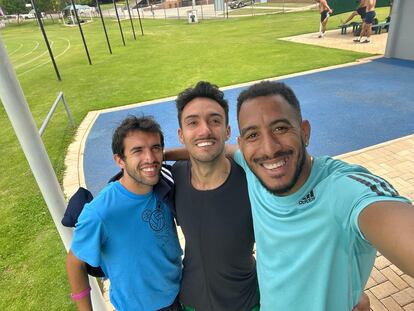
{"points": [[400, 42]]}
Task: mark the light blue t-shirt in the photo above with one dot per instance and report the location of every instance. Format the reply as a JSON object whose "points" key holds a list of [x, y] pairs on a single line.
{"points": [[133, 238], [311, 254]]}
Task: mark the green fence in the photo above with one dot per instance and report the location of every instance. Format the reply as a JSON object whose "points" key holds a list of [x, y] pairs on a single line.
{"points": [[342, 6]]}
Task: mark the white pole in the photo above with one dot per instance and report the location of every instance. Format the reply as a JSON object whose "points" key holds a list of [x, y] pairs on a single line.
{"points": [[393, 30], [14, 102]]}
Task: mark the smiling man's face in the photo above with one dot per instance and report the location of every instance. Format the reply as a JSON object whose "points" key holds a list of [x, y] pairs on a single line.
{"points": [[203, 129], [142, 161], [272, 140]]}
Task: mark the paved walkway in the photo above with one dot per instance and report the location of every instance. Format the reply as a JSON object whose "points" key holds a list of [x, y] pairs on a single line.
{"points": [[334, 39], [388, 287]]}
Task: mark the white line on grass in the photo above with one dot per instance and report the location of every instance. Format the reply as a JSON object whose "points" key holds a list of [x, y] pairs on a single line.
{"points": [[34, 58], [27, 54], [16, 50], [42, 64]]}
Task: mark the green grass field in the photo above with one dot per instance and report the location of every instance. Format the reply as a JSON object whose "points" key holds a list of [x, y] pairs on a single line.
{"points": [[170, 57], [247, 10]]}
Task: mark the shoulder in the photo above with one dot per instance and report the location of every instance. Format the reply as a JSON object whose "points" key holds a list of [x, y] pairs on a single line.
{"points": [[236, 168], [347, 179], [179, 169], [179, 165], [106, 198], [166, 174]]}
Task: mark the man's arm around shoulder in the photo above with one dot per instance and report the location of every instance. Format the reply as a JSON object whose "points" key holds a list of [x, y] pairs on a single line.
{"points": [[79, 282], [389, 226]]}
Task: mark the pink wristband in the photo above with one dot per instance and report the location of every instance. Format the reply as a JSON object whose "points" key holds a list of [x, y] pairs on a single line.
{"points": [[80, 295]]}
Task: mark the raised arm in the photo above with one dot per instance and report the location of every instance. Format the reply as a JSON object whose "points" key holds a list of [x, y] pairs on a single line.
{"points": [[79, 282], [230, 150], [178, 154], [389, 226], [326, 5]]}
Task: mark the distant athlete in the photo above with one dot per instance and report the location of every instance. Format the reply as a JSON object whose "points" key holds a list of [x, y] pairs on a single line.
{"points": [[325, 11], [366, 29], [361, 10]]}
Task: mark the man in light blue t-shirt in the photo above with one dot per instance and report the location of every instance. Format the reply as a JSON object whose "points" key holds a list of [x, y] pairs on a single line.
{"points": [[128, 229], [317, 221]]}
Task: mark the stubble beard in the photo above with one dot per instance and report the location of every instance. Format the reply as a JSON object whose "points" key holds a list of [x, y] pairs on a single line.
{"points": [[138, 179], [209, 159], [298, 171]]}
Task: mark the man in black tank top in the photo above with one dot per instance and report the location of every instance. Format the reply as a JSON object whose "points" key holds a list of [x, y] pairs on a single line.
{"points": [[213, 209]]}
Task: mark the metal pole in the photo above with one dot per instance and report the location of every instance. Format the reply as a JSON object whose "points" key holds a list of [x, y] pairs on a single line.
{"points": [[39, 22], [67, 109], [52, 110], [103, 25], [152, 10], [139, 17], [119, 22], [393, 29], [81, 32], [15, 105], [130, 18]]}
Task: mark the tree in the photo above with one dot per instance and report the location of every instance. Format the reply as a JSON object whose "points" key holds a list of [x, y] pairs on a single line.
{"points": [[13, 6]]}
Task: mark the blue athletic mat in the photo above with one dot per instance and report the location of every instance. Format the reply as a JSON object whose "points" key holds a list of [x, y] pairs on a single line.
{"points": [[349, 108]]}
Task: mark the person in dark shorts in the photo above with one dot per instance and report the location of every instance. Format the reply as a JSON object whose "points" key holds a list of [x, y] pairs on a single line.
{"points": [[213, 209], [366, 29], [324, 10], [360, 10]]}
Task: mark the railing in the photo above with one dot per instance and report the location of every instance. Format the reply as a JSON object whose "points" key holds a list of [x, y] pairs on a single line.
{"points": [[52, 110]]}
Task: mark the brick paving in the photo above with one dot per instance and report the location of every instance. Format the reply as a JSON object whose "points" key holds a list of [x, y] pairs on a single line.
{"points": [[388, 288]]}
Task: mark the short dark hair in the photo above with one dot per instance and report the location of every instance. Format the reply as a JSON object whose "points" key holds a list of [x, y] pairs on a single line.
{"points": [[268, 88], [145, 124], [202, 89]]}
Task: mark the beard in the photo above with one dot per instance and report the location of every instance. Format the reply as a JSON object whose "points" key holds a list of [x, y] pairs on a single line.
{"points": [[210, 158], [138, 178], [281, 191]]}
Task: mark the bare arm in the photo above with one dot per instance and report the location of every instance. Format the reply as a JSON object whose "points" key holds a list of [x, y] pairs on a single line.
{"points": [[329, 8], [363, 304], [325, 6], [230, 150], [78, 279], [177, 154], [353, 14], [389, 226]]}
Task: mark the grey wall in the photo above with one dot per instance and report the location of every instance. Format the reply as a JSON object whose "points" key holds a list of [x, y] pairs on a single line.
{"points": [[400, 42]]}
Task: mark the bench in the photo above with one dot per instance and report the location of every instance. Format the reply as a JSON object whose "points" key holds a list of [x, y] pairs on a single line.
{"points": [[378, 27], [344, 27]]}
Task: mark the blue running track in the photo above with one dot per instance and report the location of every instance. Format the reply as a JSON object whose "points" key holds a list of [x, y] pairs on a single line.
{"points": [[349, 108]]}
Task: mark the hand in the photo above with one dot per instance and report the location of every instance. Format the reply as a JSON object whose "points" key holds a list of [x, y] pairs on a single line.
{"points": [[363, 304]]}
